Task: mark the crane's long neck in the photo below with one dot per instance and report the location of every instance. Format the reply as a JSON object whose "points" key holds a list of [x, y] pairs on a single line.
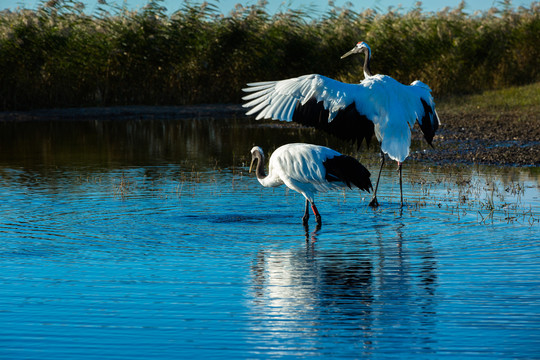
{"points": [[270, 180], [367, 61], [259, 171]]}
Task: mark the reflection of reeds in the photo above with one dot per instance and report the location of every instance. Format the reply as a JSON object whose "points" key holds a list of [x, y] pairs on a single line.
{"points": [[123, 187], [58, 55], [178, 190]]}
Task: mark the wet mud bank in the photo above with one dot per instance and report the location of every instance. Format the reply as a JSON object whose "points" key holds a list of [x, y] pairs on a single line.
{"points": [[510, 138]]}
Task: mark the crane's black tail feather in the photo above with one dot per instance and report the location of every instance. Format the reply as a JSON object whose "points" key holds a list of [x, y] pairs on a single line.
{"points": [[349, 171]]}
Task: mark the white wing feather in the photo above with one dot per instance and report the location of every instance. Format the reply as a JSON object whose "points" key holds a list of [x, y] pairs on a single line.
{"points": [[277, 99]]}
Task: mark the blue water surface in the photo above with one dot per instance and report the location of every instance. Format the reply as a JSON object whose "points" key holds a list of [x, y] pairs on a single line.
{"points": [[160, 244]]}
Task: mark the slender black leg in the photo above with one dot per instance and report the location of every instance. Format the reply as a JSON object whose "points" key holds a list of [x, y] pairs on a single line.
{"points": [[374, 202], [305, 218], [400, 182]]}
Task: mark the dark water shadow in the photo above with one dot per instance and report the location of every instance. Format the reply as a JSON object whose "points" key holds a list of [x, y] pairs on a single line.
{"points": [[112, 143]]}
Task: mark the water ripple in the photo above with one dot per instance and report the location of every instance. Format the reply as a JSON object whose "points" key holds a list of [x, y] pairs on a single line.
{"points": [[170, 267]]}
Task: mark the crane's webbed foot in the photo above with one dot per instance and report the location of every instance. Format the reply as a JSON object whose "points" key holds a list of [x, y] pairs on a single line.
{"points": [[374, 203]]}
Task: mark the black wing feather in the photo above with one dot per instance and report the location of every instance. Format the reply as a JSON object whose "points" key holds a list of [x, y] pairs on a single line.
{"points": [[348, 170], [348, 124], [429, 122]]}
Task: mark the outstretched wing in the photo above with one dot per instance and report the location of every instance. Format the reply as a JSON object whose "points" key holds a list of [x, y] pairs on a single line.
{"points": [[314, 100]]}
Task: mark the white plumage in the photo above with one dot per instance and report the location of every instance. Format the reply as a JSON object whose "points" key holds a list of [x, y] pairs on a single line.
{"points": [[391, 108], [300, 167], [308, 169]]}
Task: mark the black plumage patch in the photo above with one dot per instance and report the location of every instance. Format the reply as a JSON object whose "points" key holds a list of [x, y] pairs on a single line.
{"points": [[347, 125], [349, 171], [429, 122]]}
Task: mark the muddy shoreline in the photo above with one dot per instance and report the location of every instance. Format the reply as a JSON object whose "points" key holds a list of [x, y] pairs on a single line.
{"points": [[504, 138], [508, 138]]}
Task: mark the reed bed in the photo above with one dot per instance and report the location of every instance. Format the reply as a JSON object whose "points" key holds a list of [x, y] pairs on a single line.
{"points": [[61, 56]]}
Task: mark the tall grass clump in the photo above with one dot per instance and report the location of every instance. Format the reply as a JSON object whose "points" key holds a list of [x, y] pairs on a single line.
{"points": [[59, 55]]}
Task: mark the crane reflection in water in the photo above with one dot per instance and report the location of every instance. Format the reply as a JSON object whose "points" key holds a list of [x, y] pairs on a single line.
{"points": [[313, 293]]}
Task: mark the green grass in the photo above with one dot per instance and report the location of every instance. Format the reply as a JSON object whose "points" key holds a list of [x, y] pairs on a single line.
{"points": [[524, 99], [60, 56]]}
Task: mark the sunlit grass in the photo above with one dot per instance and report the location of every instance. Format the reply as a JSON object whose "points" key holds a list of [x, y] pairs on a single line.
{"points": [[514, 98]]}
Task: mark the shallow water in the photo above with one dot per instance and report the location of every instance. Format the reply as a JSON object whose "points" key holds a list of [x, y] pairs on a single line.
{"points": [[149, 239]]}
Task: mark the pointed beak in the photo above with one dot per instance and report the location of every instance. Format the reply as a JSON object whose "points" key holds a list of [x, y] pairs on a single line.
{"points": [[251, 165], [353, 51]]}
